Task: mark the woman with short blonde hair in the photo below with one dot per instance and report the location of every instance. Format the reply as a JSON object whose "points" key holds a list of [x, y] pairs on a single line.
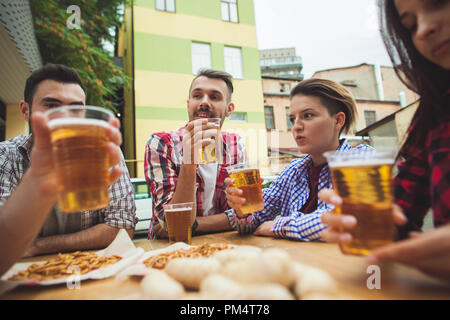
{"points": [[320, 110]]}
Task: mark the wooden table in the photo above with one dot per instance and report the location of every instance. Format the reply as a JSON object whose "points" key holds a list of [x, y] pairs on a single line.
{"points": [[350, 272]]}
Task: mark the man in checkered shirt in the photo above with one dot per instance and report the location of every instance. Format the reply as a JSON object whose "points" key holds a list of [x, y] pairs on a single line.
{"points": [[53, 86], [175, 177]]}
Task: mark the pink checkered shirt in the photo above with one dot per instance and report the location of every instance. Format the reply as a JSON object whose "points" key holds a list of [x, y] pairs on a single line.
{"points": [[163, 159]]}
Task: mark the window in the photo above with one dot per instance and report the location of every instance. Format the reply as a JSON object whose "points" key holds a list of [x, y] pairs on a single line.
{"points": [[165, 5], [229, 10], [370, 117], [349, 83], [201, 56], [141, 190], [285, 87], [238, 116], [268, 115], [233, 61], [289, 125]]}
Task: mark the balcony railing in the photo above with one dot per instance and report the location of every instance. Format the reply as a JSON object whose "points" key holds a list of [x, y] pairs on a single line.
{"points": [[280, 61]]}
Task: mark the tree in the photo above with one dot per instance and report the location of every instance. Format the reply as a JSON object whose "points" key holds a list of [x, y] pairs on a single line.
{"points": [[82, 46]]}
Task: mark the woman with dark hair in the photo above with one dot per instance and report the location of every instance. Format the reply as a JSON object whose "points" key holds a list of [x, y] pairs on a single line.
{"points": [[416, 34], [320, 110]]}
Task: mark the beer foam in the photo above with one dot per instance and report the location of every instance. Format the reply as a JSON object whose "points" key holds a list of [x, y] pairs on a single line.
{"points": [[361, 163], [77, 121], [237, 170], [178, 209]]}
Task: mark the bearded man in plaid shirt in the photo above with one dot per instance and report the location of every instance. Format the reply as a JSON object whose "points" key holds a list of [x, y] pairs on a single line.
{"points": [[53, 86], [174, 176]]}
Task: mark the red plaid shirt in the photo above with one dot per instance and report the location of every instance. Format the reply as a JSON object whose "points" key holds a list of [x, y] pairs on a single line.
{"points": [[163, 159], [423, 179]]}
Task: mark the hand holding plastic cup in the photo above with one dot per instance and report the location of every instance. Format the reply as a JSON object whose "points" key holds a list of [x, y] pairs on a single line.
{"points": [[79, 136], [248, 180], [363, 179], [202, 141]]}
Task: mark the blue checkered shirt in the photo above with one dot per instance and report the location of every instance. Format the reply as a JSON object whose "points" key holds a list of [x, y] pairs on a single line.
{"points": [[284, 199]]}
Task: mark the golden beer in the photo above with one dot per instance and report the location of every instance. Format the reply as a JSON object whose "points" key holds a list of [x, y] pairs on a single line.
{"points": [[79, 146], [367, 194], [248, 180], [212, 152], [179, 222]]}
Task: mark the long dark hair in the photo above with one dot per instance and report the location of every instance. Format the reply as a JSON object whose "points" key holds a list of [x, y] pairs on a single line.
{"points": [[420, 75]]}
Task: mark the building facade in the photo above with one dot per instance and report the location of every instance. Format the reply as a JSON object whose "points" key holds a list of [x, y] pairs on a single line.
{"points": [[164, 43], [280, 142], [283, 63], [19, 56], [377, 90], [391, 131], [281, 70]]}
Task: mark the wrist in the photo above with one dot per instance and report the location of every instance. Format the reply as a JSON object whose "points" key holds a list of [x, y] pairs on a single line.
{"points": [[192, 156], [44, 184], [240, 217], [187, 174], [278, 226], [194, 227], [239, 213]]}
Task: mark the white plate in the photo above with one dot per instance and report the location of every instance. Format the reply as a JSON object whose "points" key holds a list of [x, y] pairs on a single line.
{"points": [[140, 269]]}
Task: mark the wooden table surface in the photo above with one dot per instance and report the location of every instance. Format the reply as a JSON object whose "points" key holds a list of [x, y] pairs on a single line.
{"points": [[350, 272]]}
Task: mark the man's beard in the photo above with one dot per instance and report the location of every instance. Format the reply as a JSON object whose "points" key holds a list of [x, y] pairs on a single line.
{"points": [[209, 113], [30, 128]]}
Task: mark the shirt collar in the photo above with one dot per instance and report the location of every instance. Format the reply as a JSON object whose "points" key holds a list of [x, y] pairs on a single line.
{"points": [[24, 146], [344, 145]]}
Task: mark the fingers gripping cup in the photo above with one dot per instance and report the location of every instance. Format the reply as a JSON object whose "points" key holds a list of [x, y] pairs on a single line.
{"points": [[212, 152], [179, 220], [248, 179], [363, 179], [79, 145]]}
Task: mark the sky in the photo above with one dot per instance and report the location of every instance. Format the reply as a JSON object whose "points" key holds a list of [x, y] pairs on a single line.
{"points": [[326, 33]]}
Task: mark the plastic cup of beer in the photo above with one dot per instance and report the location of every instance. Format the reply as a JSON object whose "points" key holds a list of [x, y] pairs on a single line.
{"points": [[247, 179], [79, 139], [213, 151], [363, 179], [179, 219]]}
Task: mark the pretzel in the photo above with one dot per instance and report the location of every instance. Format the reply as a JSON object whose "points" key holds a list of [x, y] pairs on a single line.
{"points": [[59, 267], [205, 250]]}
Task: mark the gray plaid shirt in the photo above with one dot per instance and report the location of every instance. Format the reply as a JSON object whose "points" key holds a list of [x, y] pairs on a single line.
{"points": [[120, 213]]}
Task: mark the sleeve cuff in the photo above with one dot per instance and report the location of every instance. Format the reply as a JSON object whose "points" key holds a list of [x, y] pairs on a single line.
{"points": [[306, 229], [278, 227], [242, 225]]}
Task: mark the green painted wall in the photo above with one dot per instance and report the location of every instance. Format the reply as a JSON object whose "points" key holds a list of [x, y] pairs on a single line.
{"points": [[161, 53], [246, 12], [161, 113], [206, 9], [200, 8]]}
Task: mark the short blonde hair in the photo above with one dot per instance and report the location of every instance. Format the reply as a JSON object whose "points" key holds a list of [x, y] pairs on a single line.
{"points": [[334, 96]]}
